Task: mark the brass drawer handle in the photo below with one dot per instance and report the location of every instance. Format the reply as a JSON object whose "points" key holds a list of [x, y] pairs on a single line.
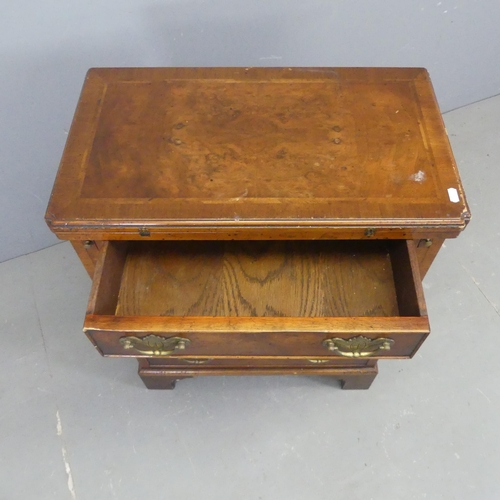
{"points": [[196, 361], [152, 345], [357, 347]]}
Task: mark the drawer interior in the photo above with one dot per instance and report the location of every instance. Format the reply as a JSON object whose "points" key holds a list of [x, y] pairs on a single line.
{"points": [[258, 279]]}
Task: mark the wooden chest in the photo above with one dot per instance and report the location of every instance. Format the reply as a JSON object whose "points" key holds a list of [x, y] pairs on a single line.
{"points": [[257, 220]]}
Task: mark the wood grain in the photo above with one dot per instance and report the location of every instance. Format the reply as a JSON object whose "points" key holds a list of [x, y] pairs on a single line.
{"points": [[260, 361], [107, 278], [295, 279], [286, 195], [88, 254], [261, 344], [166, 377], [405, 271], [259, 299], [427, 254], [367, 325], [196, 149]]}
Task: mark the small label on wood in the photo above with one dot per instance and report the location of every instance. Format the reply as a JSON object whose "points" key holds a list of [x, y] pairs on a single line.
{"points": [[453, 195]]}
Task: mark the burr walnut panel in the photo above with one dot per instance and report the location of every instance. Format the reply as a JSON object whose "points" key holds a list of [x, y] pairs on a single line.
{"points": [[318, 140], [165, 151]]}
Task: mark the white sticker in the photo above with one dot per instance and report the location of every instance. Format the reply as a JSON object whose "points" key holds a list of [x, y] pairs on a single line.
{"points": [[453, 195]]}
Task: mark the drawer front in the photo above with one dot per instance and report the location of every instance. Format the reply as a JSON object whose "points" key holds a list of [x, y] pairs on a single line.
{"points": [[256, 362], [364, 339], [341, 300]]}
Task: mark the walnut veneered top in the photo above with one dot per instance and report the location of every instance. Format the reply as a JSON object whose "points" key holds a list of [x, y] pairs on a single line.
{"points": [[237, 149]]}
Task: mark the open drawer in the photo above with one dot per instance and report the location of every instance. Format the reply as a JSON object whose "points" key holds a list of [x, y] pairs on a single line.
{"points": [[257, 299]]}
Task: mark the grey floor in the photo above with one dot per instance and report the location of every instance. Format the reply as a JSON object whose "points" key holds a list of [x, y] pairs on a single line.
{"points": [[74, 425]]}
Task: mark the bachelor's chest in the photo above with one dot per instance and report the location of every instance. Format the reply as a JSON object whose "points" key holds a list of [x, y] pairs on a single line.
{"points": [[257, 220]]}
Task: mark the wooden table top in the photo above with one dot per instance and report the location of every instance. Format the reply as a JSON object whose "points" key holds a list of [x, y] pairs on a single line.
{"points": [[200, 149]]}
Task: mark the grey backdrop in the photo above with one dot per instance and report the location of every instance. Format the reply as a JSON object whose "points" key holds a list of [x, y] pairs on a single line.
{"points": [[47, 46]]}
